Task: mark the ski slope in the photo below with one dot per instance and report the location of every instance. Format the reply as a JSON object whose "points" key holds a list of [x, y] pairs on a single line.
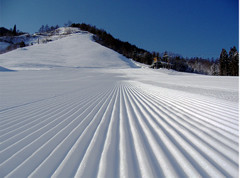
{"points": [[74, 108]]}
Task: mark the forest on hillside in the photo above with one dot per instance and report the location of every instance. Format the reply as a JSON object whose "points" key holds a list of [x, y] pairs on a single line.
{"points": [[226, 64]]}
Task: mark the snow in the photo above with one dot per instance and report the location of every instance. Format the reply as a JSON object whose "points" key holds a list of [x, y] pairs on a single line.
{"points": [[72, 107], [26, 38], [37, 38]]}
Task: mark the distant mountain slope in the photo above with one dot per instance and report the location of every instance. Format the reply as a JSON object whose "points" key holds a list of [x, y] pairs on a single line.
{"points": [[75, 50]]}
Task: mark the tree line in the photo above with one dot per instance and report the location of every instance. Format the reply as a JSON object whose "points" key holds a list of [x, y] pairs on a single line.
{"points": [[227, 64], [47, 28], [11, 32], [124, 48]]}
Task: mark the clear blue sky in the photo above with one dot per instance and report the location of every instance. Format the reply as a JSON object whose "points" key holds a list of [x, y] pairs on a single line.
{"points": [[198, 28]]}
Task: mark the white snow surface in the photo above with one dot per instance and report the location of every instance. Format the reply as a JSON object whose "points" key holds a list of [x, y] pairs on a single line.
{"points": [[73, 108]]}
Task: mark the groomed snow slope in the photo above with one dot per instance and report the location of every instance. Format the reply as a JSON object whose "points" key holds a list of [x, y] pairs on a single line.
{"points": [[93, 115]]}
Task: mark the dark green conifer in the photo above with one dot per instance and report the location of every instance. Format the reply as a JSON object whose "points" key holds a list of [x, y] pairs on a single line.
{"points": [[14, 30], [233, 62], [223, 60]]}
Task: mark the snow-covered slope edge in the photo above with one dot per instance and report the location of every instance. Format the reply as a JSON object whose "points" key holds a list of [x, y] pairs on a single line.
{"points": [[76, 50]]}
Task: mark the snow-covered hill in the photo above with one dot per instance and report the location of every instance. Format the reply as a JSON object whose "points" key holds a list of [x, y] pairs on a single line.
{"points": [[72, 107], [73, 51], [12, 42]]}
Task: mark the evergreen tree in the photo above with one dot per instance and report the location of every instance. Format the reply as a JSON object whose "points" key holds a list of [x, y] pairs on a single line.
{"points": [[41, 29], [147, 58], [47, 29], [233, 62], [158, 55], [52, 28], [14, 30], [223, 60]]}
